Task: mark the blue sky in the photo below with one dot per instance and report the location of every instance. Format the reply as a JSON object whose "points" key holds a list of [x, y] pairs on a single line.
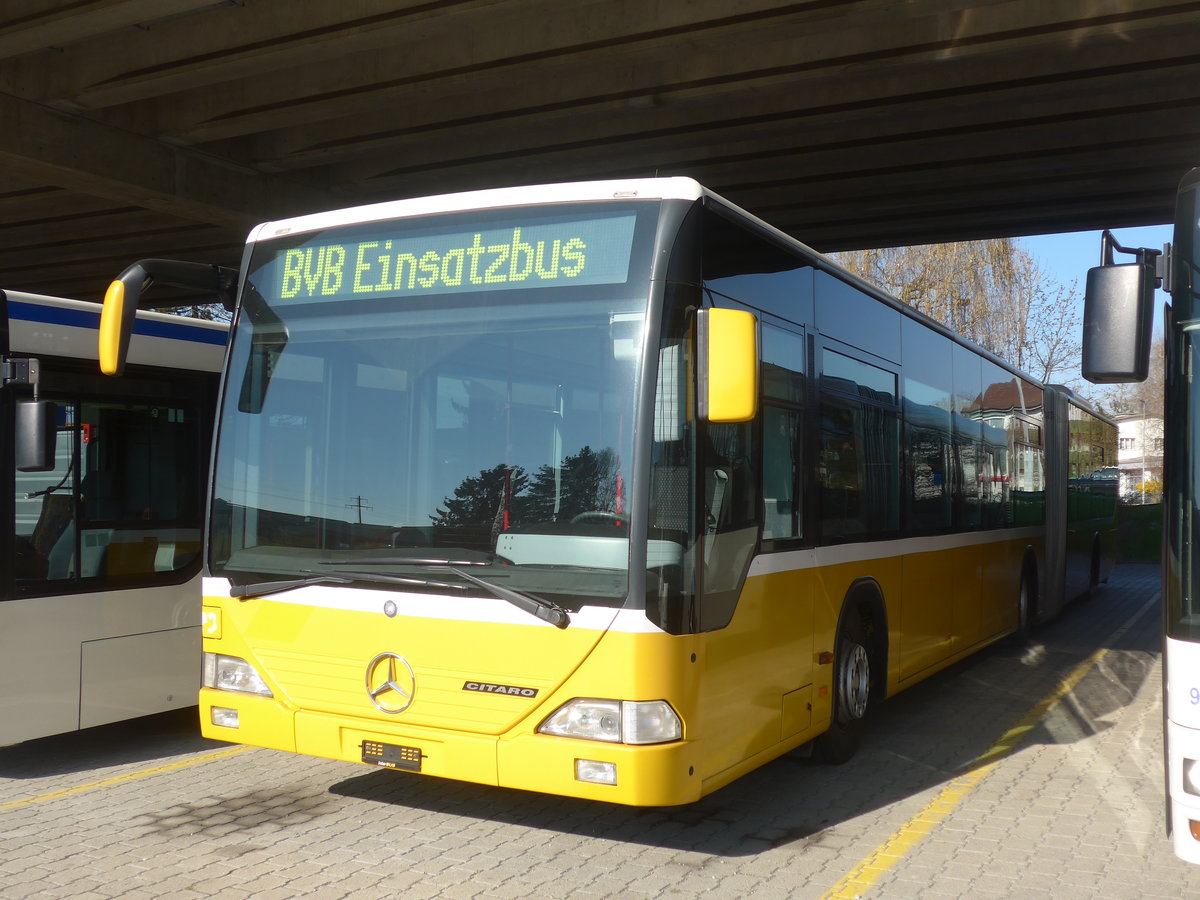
{"points": [[1067, 257]]}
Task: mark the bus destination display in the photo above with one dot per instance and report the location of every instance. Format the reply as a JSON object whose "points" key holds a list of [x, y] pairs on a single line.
{"points": [[513, 256]]}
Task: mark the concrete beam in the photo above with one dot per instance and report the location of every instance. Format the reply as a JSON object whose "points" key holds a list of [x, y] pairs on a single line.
{"points": [[29, 32], [74, 152]]}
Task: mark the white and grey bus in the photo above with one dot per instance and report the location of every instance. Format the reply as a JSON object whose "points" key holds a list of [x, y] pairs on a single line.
{"points": [[100, 523]]}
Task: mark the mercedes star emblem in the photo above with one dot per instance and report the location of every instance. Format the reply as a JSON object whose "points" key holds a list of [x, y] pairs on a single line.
{"points": [[390, 683]]}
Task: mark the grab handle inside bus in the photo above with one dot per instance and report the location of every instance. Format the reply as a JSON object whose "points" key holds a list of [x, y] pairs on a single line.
{"points": [[124, 297], [727, 365]]}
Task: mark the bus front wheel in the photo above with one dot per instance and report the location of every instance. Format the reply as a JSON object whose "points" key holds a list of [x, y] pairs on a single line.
{"points": [[851, 693]]}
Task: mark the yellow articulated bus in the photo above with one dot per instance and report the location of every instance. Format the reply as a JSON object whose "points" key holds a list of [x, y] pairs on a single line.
{"points": [[608, 490]]}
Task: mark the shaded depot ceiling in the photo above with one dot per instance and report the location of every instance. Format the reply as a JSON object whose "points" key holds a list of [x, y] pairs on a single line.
{"points": [[136, 128]]}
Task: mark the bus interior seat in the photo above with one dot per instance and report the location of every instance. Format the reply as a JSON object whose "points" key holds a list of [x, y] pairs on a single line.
{"points": [[135, 557], [56, 519]]}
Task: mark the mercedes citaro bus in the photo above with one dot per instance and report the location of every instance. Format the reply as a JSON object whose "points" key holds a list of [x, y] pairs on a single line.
{"points": [[608, 490]]}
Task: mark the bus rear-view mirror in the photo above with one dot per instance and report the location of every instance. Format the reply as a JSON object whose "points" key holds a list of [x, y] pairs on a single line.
{"points": [[727, 365], [1118, 315], [36, 435]]}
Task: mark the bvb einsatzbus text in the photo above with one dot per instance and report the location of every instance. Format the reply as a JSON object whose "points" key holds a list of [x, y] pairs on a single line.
{"points": [[592, 252]]}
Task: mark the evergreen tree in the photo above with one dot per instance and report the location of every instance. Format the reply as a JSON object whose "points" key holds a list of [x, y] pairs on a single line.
{"points": [[480, 500]]}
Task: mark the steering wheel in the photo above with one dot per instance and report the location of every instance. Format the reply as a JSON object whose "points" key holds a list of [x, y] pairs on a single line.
{"points": [[604, 514]]}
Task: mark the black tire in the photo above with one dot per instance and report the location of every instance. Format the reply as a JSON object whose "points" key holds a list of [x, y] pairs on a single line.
{"points": [[852, 681], [1094, 572], [1025, 612]]}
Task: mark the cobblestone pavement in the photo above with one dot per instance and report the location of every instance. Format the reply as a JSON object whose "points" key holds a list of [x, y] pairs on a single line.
{"points": [[1072, 810]]}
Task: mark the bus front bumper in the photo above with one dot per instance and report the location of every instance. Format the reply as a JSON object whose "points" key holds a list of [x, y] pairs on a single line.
{"points": [[648, 775]]}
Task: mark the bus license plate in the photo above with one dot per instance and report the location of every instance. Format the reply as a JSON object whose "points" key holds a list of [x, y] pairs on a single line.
{"points": [[391, 756]]}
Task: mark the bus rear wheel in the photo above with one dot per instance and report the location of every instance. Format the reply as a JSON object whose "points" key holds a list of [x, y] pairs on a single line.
{"points": [[1026, 611], [851, 693], [1094, 571]]}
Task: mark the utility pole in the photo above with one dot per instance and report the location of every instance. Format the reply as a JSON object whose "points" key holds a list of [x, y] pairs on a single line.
{"points": [[358, 503]]}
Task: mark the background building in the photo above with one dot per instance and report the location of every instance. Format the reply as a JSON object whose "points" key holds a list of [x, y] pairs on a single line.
{"points": [[1140, 457]]}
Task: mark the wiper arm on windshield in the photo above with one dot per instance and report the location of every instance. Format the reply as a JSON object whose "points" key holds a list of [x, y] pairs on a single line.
{"points": [[534, 605], [538, 606], [262, 588], [421, 561]]}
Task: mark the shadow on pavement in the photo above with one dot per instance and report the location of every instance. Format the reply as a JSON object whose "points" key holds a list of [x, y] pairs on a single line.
{"points": [[145, 739], [918, 740]]}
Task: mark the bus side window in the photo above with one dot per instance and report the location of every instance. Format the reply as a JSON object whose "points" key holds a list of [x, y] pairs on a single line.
{"points": [[783, 388], [122, 502], [139, 510], [929, 444], [730, 477], [45, 511], [780, 477], [859, 462]]}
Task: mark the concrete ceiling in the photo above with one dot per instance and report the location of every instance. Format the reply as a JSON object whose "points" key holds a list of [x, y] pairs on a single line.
{"points": [[134, 128]]}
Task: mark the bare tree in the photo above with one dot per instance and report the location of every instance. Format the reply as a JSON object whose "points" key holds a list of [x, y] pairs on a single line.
{"points": [[212, 312], [1138, 398], [1050, 348], [992, 292]]}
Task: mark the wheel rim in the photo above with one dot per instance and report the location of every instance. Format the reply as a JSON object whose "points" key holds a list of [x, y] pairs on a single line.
{"points": [[856, 681]]}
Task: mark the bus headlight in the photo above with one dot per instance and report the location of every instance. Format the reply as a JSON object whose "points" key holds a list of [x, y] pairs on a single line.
{"points": [[616, 721], [1191, 777], [228, 673]]}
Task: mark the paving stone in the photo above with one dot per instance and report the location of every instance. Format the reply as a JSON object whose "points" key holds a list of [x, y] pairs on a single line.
{"points": [[1073, 813]]}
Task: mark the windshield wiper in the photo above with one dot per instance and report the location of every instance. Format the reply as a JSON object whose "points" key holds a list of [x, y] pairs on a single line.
{"points": [[538, 606], [421, 561], [544, 609], [262, 588]]}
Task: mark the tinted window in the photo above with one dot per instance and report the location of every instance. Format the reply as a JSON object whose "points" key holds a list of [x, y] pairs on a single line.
{"points": [[855, 377], [1092, 475], [782, 364], [857, 471], [1012, 435], [858, 461], [842, 311], [928, 399], [971, 460], [123, 501], [783, 386], [747, 267], [781, 473]]}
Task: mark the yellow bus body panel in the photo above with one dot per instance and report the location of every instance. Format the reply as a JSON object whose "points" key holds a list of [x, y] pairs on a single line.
{"points": [[314, 660], [765, 653], [746, 693]]}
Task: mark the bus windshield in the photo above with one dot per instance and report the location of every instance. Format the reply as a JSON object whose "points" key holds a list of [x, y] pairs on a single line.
{"points": [[417, 396]]}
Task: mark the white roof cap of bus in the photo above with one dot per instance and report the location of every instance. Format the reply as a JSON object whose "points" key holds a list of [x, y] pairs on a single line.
{"points": [[673, 188], [91, 306]]}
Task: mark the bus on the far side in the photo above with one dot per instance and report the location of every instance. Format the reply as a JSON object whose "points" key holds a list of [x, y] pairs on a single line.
{"points": [[100, 525]]}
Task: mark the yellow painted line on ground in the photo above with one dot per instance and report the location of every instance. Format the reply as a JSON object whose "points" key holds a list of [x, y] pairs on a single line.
{"points": [[892, 851], [122, 778]]}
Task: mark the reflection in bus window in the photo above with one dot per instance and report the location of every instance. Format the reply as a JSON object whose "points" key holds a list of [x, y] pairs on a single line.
{"points": [[123, 499]]}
